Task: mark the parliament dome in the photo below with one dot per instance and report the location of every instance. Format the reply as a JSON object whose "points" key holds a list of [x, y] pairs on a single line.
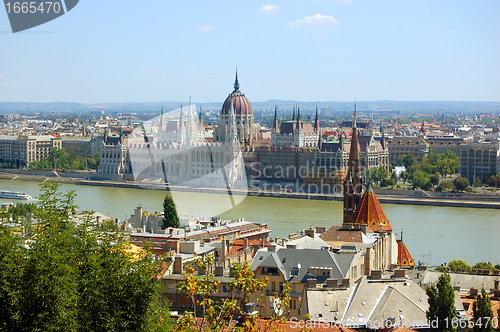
{"points": [[240, 103]]}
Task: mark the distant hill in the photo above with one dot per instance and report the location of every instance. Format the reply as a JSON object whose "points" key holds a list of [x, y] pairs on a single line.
{"points": [[307, 107]]}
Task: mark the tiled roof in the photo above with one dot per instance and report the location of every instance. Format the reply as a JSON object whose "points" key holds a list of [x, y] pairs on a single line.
{"points": [[370, 212], [336, 234], [404, 257]]}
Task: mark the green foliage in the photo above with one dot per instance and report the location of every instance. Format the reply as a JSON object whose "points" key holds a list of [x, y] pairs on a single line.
{"points": [[421, 180], [378, 174], [59, 159], [435, 179], [462, 184], [442, 309], [170, 216], [445, 163], [64, 277], [200, 288], [458, 264], [485, 266], [477, 181], [407, 160], [447, 184], [482, 313]]}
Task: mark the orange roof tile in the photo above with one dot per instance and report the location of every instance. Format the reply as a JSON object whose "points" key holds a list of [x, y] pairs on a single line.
{"points": [[404, 257], [370, 212]]}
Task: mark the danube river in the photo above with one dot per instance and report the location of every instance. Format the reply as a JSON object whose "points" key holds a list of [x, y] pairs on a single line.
{"points": [[433, 235]]}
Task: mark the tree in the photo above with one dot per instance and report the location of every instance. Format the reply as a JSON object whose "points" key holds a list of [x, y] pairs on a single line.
{"points": [[435, 179], [86, 278], [483, 313], [420, 180], [461, 184], [170, 216], [442, 311], [456, 265], [200, 288], [484, 266]]}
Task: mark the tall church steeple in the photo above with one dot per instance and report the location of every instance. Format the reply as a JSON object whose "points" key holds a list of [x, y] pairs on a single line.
{"points": [[353, 182]]}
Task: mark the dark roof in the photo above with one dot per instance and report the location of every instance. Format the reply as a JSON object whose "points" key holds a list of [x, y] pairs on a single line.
{"points": [[403, 140], [287, 260]]}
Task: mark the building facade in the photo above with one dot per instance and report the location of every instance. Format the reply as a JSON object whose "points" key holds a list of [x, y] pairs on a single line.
{"points": [[25, 150], [402, 145], [480, 160], [295, 132]]}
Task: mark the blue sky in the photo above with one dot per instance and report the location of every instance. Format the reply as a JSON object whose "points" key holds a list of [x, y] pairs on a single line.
{"points": [[152, 50]]}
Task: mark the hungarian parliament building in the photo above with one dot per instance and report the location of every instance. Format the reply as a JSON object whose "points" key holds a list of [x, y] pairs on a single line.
{"points": [[172, 149]]}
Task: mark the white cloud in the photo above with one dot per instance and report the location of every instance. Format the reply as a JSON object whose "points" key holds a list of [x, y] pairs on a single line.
{"points": [[343, 2], [64, 79], [267, 9], [2, 77], [11, 85], [205, 29], [452, 31], [320, 35], [316, 19]]}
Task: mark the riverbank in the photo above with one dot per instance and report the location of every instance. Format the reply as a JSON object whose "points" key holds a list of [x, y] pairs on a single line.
{"points": [[384, 196]]}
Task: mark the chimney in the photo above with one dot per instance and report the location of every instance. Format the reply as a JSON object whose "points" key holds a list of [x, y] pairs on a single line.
{"points": [[332, 282], [245, 243], [363, 228], [473, 292], [399, 273], [497, 285], [177, 265], [368, 262], [346, 282], [291, 246], [310, 232], [271, 247], [98, 221], [376, 274], [223, 252], [320, 229], [311, 283], [219, 271]]}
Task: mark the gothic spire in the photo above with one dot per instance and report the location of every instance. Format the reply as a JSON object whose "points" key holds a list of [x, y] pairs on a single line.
{"points": [[353, 186], [299, 124], [236, 84], [316, 121], [275, 122], [293, 114]]}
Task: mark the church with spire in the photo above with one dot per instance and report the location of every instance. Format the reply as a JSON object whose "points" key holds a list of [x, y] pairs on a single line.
{"points": [[295, 132], [364, 223]]}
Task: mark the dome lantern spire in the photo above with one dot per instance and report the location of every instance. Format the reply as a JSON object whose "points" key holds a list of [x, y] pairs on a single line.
{"points": [[236, 84]]}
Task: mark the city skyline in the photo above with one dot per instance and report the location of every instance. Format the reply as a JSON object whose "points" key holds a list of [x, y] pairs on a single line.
{"points": [[151, 51]]}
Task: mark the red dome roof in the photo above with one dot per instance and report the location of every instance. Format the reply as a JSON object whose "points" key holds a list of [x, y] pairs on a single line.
{"points": [[241, 104]]}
